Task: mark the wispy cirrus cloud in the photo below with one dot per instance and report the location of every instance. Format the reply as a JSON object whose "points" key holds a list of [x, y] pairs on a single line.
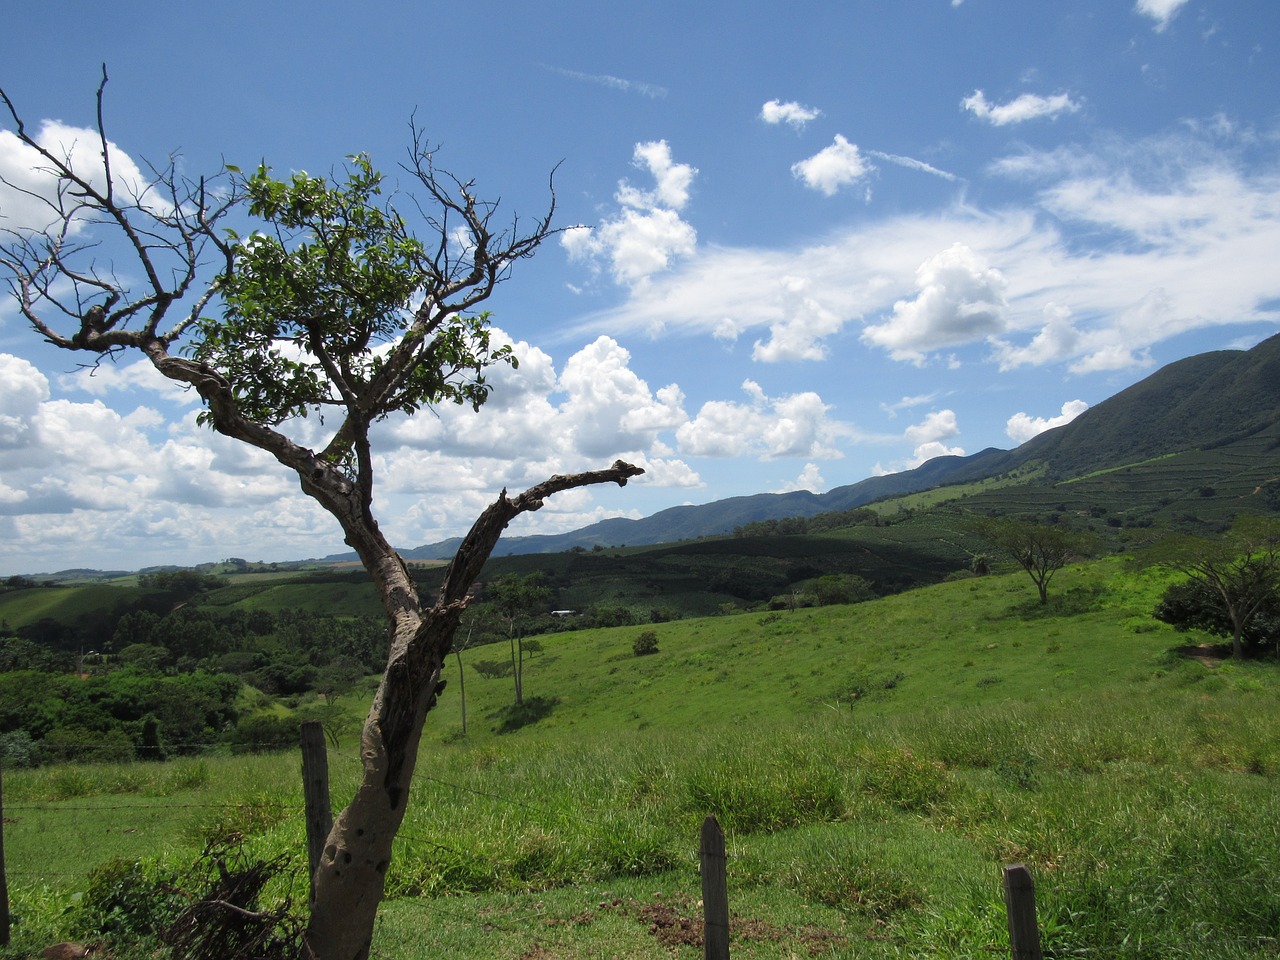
{"points": [[651, 90], [910, 163]]}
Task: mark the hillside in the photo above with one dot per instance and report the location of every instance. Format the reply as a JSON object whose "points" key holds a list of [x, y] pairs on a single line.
{"points": [[872, 765]]}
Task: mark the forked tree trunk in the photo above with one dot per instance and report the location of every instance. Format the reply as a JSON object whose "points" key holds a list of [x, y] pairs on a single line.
{"points": [[352, 872]]}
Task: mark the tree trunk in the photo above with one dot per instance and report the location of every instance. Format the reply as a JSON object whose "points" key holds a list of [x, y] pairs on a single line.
{"points": [[462, 690], [517, 668]]}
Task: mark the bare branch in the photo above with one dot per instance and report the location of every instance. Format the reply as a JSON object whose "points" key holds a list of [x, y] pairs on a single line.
{"points": [[166, 223]]}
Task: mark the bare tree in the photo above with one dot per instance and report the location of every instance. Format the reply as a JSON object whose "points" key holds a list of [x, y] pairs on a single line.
{"points": [[330, 305]]}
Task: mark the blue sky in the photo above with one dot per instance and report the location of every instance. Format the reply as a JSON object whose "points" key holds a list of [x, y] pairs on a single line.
{"points": [[811, 242]]}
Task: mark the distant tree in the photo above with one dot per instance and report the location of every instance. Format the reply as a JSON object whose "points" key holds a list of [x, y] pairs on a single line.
{"points": [[842, 588], [1241, 570], [322, 303], [1040, 549], [517, 601]]}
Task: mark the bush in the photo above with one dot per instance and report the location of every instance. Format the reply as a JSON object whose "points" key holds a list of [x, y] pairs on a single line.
{"points": [[128, 901], [645, 644], [264, 732]]}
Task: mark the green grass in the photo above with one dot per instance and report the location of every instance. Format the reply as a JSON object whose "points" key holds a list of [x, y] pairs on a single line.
{"points": [[873, 766]]}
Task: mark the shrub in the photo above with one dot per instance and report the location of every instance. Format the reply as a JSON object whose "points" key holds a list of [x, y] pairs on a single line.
{"points": [[645, 644]]}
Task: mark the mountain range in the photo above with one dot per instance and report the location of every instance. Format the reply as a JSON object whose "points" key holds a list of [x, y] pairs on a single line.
{"points": [[1211, 401]]}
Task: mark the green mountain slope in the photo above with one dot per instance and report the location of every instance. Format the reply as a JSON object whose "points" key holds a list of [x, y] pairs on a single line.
{"points": [[1207, 402]]}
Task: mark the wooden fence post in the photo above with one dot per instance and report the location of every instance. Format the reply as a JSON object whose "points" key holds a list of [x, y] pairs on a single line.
{"points": [[715, 893], [315, 792], [4, 882], [1020, 901]]}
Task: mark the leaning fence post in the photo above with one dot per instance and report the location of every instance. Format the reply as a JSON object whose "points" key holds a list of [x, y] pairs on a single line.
{"points": [[315, 792], [1020, 901], [4, 883], [715, 893]]}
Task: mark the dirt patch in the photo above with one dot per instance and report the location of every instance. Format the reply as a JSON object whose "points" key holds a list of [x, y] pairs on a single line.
{"points": [[677, 922], [1210, 654]]}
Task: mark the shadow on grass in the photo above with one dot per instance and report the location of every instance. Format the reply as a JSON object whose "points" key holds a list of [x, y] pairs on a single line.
{"points": [[1068, 603], [515, 716]]}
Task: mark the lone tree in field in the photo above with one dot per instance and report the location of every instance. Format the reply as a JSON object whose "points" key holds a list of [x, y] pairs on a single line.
{"points": [[1040, 549], [518, 600], [327, 305], [1241, 572]]}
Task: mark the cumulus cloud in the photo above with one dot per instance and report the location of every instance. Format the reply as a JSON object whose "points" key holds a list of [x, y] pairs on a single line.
{"points": [[795, 114], [28, 192], [1191, 240], [647, 233], [960, 299], [931, 451], [795, 425], [1057, 340], [1021, 427], [23, 389], [839, 165], [810, 479], [1029, 106], [801, 331], [1161, 11], [134, 485], [938, 425], [106, 378]]}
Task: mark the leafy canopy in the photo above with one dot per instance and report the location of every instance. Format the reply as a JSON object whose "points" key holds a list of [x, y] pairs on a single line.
{"points": [[332, 303]]}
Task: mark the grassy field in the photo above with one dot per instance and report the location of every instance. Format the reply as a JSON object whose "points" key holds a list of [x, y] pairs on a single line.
{"points": [[873, 767]]}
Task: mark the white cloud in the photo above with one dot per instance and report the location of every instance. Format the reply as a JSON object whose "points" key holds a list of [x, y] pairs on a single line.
{"points": [[107, 377], [651, 90], [938, 425], [609, 408], [1029, 106], [673, 179], [1021, 427], [1161, 11], [960, 299], [795, 425], [647, 233], [932, 450], [1057, 340], [800, 332], [907, 403], [839, 165], [23, 389], [795, 114], [910, 163], [1189, 241], [28, 192], [810, 479]]}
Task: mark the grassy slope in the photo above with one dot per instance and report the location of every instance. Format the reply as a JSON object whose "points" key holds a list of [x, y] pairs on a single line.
{"points": [[984, 730]]}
